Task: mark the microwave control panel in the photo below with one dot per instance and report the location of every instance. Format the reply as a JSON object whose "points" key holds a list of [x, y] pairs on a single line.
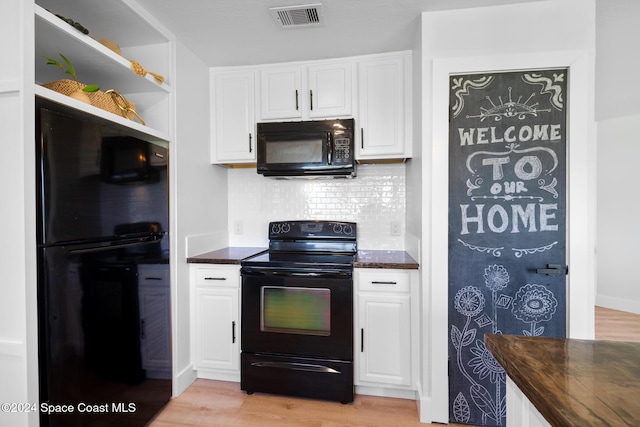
{"points": [[342, 150]]}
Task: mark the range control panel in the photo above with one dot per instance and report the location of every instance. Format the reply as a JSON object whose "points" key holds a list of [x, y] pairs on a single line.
{"points": [[282, 230]]}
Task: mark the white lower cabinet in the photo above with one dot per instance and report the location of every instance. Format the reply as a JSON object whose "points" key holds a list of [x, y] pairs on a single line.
{"points": [[155, 319], [385, 330], [216, 320], [385, 327]]}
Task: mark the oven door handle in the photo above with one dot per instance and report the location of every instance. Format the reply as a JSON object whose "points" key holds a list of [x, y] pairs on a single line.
{"points": [[307, 367], [319, 274]]}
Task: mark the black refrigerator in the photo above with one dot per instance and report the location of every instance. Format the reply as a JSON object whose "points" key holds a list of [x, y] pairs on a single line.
{"points": [[102, 200]]}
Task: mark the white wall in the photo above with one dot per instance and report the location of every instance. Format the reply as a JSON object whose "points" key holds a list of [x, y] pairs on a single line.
{"points": [[198, 199], [618, 207], [618, 115], [373, 199], [617, 59], [18, 317], [538, 34]]}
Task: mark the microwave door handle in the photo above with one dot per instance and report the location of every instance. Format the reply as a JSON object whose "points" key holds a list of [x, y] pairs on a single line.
{"points": [[330, 151]]}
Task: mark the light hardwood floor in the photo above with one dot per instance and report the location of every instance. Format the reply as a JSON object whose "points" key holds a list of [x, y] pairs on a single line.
{"points": [[614, 325], [218, 403]]}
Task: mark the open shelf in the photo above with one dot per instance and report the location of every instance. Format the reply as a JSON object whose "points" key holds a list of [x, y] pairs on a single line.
{"points": [[138, 37], [94, 63], [101, 116]]}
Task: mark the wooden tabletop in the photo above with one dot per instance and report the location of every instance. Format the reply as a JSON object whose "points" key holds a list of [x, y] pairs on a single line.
{"points": [[574, 382]]}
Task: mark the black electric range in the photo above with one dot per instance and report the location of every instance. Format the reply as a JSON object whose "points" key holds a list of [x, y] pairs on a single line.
{"points": [[297, 312]]}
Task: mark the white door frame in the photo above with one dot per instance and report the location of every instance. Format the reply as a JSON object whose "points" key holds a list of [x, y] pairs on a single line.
{"points": [[580, 208]]}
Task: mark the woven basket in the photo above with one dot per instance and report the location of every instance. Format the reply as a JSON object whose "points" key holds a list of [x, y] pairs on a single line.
{"points": [[98, 99]]}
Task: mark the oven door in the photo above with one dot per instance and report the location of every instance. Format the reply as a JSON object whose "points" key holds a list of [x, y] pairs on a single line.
{"points": [[297, 313]]}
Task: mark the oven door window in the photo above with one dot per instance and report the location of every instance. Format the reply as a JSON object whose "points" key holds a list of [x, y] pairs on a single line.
{"points": [[293, 310]]}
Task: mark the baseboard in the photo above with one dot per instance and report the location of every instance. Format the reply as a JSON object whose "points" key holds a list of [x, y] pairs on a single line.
{"points": [[183, 380], [425, 410], [386, 392], [621, 304], [233, 377]]}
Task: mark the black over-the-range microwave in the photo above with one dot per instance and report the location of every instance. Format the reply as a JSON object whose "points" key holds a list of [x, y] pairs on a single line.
{"points": [[306, 148]]}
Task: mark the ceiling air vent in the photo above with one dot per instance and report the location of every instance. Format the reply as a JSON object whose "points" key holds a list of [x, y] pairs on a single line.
{"points": [[308, 15]]}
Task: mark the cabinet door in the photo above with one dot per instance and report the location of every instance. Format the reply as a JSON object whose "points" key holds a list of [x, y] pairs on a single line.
{"points": [[233, 110], [383, 109], [155, 330], [280, 93], [217, 329], [155, 319], [383, 341], [330, 90]]}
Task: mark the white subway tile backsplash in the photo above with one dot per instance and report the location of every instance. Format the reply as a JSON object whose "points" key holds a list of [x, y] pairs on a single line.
{"points": [[373, 199]]}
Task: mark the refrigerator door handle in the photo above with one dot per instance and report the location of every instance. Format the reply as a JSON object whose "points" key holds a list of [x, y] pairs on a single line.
{"points": [[117, 245]]}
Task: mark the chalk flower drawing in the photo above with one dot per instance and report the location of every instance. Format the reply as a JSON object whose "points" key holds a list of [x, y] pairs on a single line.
{"points": [[532, 304], [496, 277], [469, 301], [484, 365]]}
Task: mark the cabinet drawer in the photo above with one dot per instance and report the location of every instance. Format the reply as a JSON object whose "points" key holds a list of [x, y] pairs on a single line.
{"points": [[383, 281], [153, 274], [218, 277]]}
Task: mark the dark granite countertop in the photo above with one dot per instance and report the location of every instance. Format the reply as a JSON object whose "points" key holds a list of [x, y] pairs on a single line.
{"points": [[574, 382], [364, 258], [230, 255], [385, 259]]}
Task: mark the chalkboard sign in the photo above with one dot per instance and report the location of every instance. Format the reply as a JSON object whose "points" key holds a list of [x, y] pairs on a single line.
{"points": [[507, 209]]}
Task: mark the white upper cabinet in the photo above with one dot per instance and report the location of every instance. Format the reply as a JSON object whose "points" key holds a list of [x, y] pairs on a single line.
{"points": [[375, 90], [330, 90], [143, 45], [280, 93], [233, 116], [384, 107], [306, 91]]}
